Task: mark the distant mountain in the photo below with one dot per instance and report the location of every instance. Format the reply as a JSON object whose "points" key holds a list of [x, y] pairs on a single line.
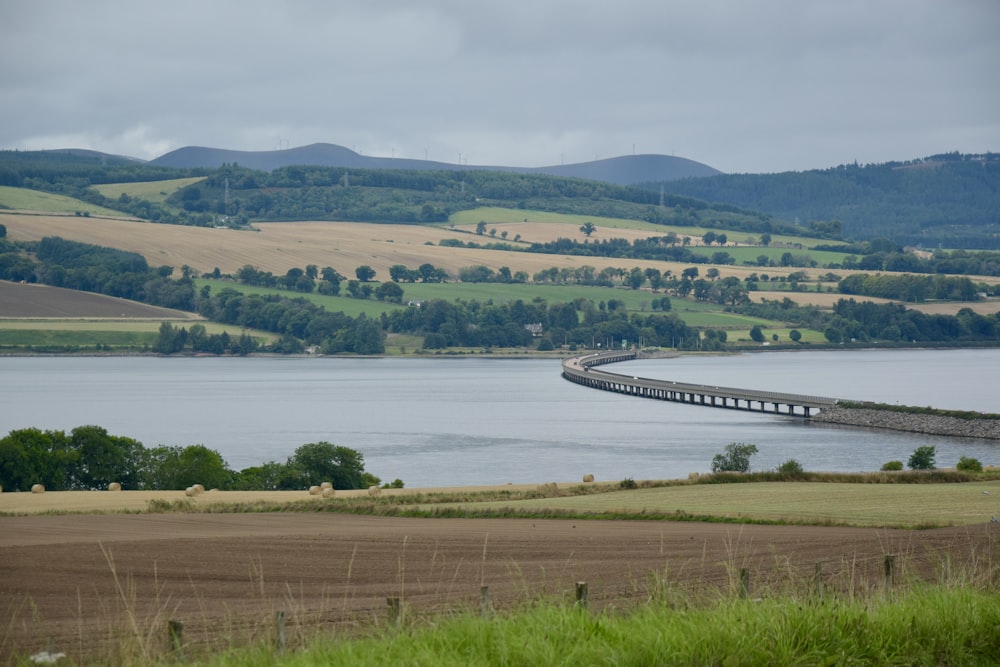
{"points": [[626, 170]]}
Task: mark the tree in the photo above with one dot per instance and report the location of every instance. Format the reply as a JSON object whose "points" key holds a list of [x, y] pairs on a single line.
{"points": [[795, 335], [708, 238], [31, 456], [765, 239], [101, 458], [364, 273], [891, 466], [319, 462], [481, 227], [588, 228], [922, 458], [756, 335], [735, 459], [180, 467], [969, 464], [389, 291]]}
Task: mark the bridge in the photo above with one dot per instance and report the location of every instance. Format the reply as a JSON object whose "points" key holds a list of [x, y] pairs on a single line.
{"points": [[583, 370]]}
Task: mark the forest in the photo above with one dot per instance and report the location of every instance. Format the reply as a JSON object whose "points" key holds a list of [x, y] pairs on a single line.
{"points": [[942, 201]]}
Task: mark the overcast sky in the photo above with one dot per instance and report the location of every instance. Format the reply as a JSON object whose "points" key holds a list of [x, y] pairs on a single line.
{"points": [[741, 85]]}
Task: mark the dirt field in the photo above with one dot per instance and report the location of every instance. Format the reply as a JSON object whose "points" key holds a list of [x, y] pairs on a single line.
{"points": [[75, 583], [33, 301]]}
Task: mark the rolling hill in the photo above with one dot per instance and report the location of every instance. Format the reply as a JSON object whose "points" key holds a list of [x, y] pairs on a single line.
{"points": [[625, 170]]}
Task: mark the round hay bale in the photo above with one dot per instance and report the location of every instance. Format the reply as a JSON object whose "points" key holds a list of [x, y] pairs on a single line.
{"points": [[114, 486], [588, 478], [38, 488], [190, 492], [326, 485], [198, 488], [314, 490], [374, 491], [692, 476], [328, 492]]}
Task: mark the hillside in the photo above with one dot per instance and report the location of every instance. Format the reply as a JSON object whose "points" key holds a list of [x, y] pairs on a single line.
{"points": [[950, 201], [626, 170]]}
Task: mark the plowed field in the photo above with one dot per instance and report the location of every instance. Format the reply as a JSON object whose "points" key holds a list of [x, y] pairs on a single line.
{"points": [[90, 585]]}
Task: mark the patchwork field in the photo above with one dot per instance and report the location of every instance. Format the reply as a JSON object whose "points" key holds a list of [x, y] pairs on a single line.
{"points": [[277, 247]]}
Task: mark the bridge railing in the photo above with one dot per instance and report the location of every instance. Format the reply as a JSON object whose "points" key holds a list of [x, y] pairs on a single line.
{"points": [[581, 369]]}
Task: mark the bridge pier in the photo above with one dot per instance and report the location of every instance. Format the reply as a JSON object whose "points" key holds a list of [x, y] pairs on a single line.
{"points": [[582, 370]]}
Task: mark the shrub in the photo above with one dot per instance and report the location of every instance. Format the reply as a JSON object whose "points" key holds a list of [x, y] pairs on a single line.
{"points": [[628, 483], [735, 459], [791, 467], [968, 464], [889, 466], [922, 458]]}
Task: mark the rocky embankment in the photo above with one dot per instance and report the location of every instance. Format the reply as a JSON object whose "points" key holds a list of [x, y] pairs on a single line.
{"points": [[987, 429]]}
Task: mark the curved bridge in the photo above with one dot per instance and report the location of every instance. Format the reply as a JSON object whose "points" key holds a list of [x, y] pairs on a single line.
{"points": [[582, 370]]}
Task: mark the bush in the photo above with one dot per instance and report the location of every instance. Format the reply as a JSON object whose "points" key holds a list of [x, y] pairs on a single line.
{"points": [[968, 464], [735, 459], [628, 483], [791, 467], [922, 458], [889, 466]]}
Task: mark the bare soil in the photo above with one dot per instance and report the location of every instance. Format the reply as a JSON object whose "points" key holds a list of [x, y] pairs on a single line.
{"points": [[30, 301], [87, 585]]}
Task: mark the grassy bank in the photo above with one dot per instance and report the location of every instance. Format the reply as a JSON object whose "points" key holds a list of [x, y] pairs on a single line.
{"points": [[933, 626]]}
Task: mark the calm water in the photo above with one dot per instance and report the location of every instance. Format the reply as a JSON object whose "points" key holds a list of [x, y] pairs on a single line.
{"points": [[471, 421]]}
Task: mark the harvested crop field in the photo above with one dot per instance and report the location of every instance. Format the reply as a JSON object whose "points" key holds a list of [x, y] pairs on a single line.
{"points": [[32, 301], [277, 247], [75, 583]]}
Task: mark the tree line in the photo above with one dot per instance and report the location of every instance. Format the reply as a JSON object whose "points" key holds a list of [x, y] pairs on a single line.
{"points": [[90, 458]]}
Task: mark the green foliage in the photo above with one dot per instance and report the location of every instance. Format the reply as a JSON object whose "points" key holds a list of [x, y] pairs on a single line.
{"points": [[756, 335], [890, 466], [791, 467], [90, 458], [319, 462], [628, 483], [736, 458], [922, 458], [969, 464], [941, 201], [181, 467]]}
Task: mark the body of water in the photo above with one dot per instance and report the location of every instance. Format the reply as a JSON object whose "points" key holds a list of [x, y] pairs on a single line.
{"points": [[435, 422]]}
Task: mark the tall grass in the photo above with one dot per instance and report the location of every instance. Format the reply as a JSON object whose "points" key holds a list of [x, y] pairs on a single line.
{"points": [[929, 626]]}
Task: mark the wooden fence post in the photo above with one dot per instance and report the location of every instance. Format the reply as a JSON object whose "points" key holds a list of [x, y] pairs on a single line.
{"points": [[889, 564], [818, 578], [279, 631], [175, 634], [484, 601], [582, 593], [395, 611]]}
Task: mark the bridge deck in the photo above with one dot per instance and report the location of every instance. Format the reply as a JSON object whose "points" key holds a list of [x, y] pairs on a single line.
{"points": [[582, 370]]}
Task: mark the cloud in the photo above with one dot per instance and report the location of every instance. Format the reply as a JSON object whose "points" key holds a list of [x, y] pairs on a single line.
{"points": [[742, 86]]}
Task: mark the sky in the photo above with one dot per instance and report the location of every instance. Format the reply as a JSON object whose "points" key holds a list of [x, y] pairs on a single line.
{"points": [[745, 86]]}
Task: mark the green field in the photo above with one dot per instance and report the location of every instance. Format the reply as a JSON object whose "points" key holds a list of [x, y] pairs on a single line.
{"points": [[153, 191], [33, 200], [694, 313], [813, 503], [114, 334]]}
